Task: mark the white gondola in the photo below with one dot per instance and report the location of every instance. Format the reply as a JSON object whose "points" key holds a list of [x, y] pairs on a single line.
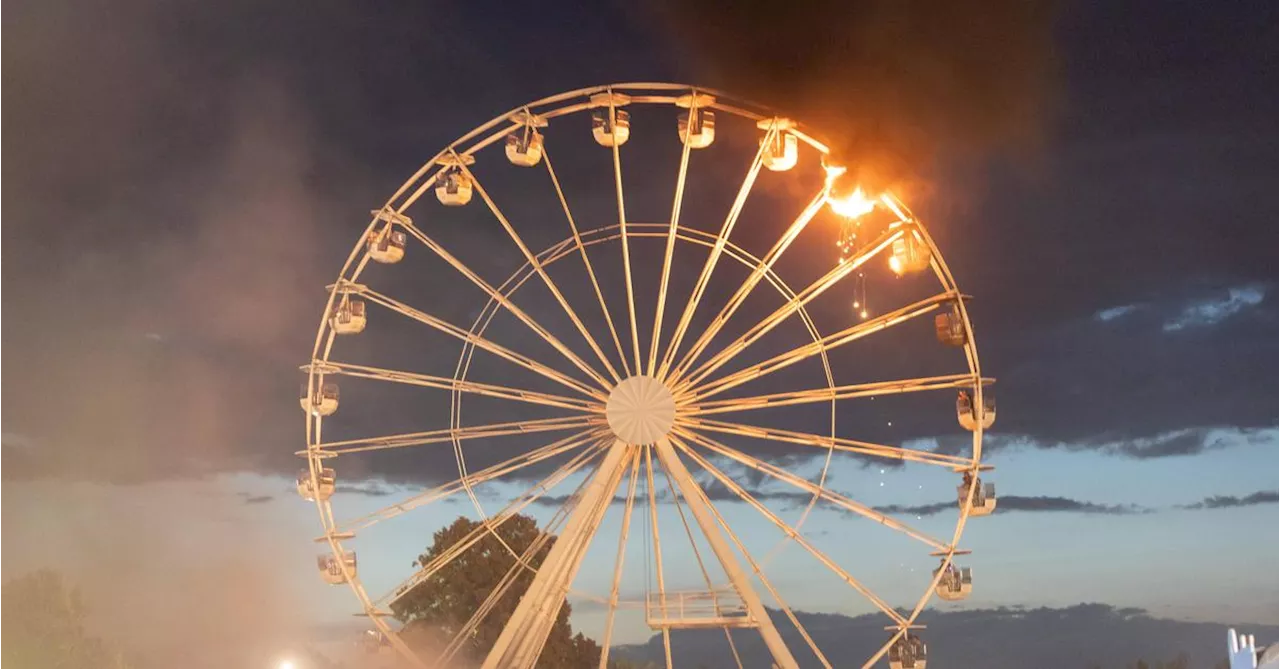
{"points": [[950, 328], [956, 583], [611, 134], [984, 497], [349, 316], [327, 481], [319, 399], [453, 187], [783, 151], [703, 130], [331, 567], [968, 415], [524, 147], [387, 246], [909, 254], [908, 652]]}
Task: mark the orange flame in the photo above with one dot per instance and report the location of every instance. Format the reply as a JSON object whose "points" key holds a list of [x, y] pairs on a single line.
{"points": [[853, 205]]}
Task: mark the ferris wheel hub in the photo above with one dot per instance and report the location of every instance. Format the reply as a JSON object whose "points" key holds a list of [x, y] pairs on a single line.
{"points": [[640, 410]]}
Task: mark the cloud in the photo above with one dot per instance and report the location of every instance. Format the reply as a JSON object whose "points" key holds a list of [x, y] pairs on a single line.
{"points": [[1175, 443], [1011, 503], [258, 499], [715, 491], [367, 488], [1212, 311], [1113, 313], [1231, 501]]}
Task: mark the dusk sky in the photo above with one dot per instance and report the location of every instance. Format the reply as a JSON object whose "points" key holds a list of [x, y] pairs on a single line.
{"points": [[183, 179]]}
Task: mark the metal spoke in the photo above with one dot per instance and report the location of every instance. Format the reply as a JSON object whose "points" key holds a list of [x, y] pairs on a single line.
{"points": [[709, 266], [537, 267], [792, 306], [522, 563], [449, 434], [492, 523], [523, 637], [809, 487], [622, 553], [582, 250], [496, 295], [702, 567], [827, 343], [446, 490], [820, 441], [757, 273], [657, 553], [622, 224], [711, 523], [451, 383], [466, 336], [792, 533], [671, 240], [873, 389]]}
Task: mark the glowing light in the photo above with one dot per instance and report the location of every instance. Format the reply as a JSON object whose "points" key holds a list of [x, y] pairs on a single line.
{"points": [[864, 313], [856, 304], [286, 664], [895, 264]]}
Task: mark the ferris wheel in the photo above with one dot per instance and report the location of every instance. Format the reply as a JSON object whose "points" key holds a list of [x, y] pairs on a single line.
{"points": [[670, 340]]}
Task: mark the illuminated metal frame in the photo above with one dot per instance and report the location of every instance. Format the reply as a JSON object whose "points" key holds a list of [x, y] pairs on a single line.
{"points": [[691, 382]]}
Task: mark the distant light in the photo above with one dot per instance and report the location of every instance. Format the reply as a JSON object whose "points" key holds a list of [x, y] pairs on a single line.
{"points": [[890, 423], [286, 664], [882, 484], [855, 304], [864, 313], [881, 471]]}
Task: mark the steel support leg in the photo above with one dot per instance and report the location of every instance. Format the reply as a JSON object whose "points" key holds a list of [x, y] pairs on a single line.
{"points": [[521, 641], [698, 503]]}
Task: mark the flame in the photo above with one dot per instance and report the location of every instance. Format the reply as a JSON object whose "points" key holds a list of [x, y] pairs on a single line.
{"points": [[853, 205]]}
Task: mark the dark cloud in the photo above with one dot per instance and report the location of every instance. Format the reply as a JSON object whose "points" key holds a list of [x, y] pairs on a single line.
{"points": [[1185, 442], [716, 491], [258, 499], [368, 488], [1011, 503], [1230, 501]]}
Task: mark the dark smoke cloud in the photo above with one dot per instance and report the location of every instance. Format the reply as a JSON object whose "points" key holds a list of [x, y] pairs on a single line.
{"points": [[891, 82], [1230, 501]]}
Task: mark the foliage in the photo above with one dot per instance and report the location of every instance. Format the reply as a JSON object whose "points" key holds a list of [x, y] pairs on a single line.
{"points": [[43, 621], [435, 610]]}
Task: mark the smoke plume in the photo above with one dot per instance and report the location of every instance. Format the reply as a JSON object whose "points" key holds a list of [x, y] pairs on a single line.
{"points": [[893, 84]]}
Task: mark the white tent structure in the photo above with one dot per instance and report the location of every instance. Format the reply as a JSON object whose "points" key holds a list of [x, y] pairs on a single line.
{"points": [[1244, 654]]}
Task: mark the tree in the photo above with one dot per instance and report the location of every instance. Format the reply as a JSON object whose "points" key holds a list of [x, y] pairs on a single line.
{"points": [[436, 610], [43, 621]]}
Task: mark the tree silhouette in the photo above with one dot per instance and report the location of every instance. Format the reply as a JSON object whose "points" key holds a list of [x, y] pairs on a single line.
{"points": [[436, 610], [43, 621]]}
